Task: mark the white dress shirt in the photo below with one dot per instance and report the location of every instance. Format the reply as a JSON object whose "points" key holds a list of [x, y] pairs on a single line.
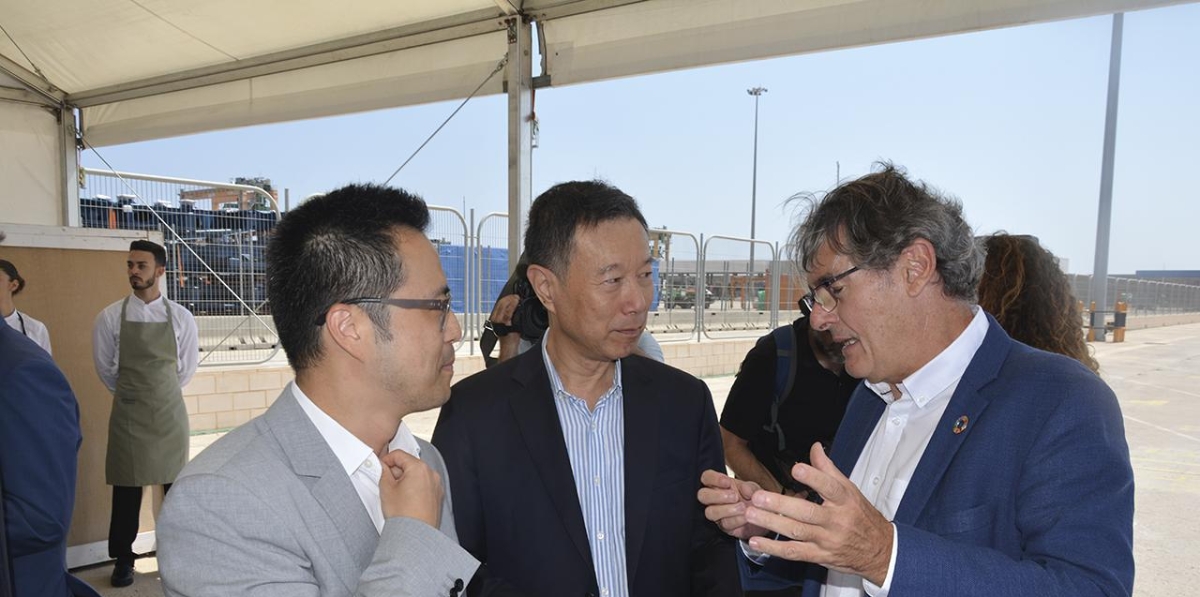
{"points": [[33, 329], [359, 460], [106, 336], [896, 445]]}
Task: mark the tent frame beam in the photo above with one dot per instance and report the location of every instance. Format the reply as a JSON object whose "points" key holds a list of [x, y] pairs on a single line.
{"points": [[381, 42], [33, 82]]}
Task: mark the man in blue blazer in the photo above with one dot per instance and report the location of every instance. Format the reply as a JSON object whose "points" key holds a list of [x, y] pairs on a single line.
{"points": [[39, 441], [574, 466], [967, 463]]}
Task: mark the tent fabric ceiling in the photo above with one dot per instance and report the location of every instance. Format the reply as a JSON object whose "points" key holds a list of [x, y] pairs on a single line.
{"points": [[148, 69]]}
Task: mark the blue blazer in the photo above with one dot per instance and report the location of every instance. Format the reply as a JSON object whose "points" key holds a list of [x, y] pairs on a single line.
{"points": [[39, 440], [515, 504], [1033, 497]]}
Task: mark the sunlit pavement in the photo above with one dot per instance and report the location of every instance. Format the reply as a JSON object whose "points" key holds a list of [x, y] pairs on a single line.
{"points": [[1156, 375]]}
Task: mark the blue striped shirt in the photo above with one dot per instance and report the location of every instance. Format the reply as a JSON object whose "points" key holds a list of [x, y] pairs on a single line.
{"points": [[596, 446]]}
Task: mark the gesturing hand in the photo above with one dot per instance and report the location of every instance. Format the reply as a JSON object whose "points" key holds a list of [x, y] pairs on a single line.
{"points": [[845, 533], [726, 500], [409, 488]]}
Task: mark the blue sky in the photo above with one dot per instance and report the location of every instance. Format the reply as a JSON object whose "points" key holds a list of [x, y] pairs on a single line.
{"points": [[1009, 121]]}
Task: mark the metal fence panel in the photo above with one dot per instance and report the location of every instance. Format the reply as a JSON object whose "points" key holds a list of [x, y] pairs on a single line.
{"points": [[215, 235]]}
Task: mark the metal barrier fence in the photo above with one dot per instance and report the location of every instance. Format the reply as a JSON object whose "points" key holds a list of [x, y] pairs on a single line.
{"points": [[216, 234], [1144, 297]]}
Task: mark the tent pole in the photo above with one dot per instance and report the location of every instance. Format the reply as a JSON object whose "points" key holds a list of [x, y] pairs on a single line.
{"points": [[1104, 219], [519, 78]]}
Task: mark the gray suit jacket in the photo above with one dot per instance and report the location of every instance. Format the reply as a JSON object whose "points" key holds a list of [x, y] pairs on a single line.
{"points": [[268, 510]]}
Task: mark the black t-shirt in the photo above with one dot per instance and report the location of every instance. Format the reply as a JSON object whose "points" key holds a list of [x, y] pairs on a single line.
{"points": [[811, 413]]}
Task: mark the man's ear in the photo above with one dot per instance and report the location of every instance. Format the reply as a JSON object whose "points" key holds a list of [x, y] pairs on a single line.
{"points": [[349, 331], [159, 271], [918, 266], [544, 283]]}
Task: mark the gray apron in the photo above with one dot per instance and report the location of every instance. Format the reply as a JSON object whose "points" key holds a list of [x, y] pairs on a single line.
{"points": [[148, 429]]}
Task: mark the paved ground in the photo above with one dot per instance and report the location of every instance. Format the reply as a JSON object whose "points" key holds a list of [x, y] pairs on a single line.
{"points": [[1156, 375]]}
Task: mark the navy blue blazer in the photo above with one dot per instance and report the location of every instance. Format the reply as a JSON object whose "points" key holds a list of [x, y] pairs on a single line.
{"points": [[1034, 496], [513, 491], [39, 441]]}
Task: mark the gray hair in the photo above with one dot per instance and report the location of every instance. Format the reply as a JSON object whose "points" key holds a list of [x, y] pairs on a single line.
{"points": [[874, 218]]}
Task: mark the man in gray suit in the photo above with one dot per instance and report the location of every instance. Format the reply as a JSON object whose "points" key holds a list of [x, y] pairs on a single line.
{"points": [[328, 493]]}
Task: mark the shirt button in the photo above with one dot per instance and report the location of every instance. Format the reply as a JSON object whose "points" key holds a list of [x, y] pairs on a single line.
{"points": [[875, 481], [596, 479], [895, 420], [600, 535], [604, 592]]}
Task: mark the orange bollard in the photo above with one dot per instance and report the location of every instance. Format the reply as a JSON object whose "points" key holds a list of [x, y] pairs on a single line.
{"points": [[1091, 334], [1119, 321]]}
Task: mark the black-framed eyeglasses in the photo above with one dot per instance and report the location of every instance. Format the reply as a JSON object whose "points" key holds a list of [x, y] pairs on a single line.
{"points": [[442, 304], [822, 295]]}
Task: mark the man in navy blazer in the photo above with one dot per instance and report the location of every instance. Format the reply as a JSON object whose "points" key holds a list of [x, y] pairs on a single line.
{"points": [[39, 441], [967, 463], [574, 466]]}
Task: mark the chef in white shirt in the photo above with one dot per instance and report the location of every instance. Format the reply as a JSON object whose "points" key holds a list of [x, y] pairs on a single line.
{"points": [[145, 348], [11, 284]]}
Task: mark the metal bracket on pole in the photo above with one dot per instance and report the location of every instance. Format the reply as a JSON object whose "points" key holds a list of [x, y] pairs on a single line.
{"points": [[519, 78]]}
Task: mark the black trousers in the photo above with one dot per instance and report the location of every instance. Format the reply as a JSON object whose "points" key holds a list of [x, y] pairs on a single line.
{"points": [[123, 526]]}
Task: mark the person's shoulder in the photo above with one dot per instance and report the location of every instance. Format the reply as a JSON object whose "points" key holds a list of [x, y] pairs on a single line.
{"points": [[646, 369], [243, 454], [1050, 378], [20, 353], [110, 310], [488, 382], [34, 325], [177, 308]]}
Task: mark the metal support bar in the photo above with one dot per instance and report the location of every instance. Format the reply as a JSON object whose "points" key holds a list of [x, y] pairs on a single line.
{"points": [[32, 81], [69, 175], [1104, 218], [519, 76]]}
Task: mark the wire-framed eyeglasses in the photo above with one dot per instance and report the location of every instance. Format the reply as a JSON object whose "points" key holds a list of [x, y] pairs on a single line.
{"points": [[442, 304], [822, 295]]}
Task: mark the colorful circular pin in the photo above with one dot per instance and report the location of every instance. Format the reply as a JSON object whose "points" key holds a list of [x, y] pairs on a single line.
{"points": [[961, 424]]}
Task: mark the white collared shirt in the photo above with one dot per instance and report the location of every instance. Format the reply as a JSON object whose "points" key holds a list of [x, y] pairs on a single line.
{"points": [[357, 459], [895, 447], [106, 336], [32, 328]]}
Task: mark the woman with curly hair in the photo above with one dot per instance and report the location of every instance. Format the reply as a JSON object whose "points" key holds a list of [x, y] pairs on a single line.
{"points": [[1027, 292]]}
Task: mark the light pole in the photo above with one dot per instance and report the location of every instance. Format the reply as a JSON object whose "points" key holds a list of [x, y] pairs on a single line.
{"points": [[756, 92]]}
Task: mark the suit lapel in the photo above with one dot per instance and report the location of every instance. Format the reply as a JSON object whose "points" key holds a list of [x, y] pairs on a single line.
{"points": [[538, 422], [969, 400], [314, 462], [642, 411]]}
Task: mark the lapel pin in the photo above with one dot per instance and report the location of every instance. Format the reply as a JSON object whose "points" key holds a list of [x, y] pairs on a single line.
{"points": [[961, 424]]}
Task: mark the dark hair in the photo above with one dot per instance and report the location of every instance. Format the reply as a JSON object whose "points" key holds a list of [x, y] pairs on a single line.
{"points": [[874, 218], [1027, 292], [332, 248], [160, 254], [11, 270], [564, 208]]}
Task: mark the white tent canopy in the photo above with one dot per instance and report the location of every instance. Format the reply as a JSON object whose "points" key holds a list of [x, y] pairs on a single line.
{"points": [[158, 68]]}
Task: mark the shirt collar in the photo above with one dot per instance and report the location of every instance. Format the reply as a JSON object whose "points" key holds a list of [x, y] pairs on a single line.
{"points": [[556, 383], [350, 451], [942, 371]]}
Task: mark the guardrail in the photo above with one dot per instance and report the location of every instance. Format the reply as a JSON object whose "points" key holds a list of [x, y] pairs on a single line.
{"points": [[705, 288]]}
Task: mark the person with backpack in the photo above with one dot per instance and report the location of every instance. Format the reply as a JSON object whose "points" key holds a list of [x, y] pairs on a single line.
{"points": [[790, 392]]}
